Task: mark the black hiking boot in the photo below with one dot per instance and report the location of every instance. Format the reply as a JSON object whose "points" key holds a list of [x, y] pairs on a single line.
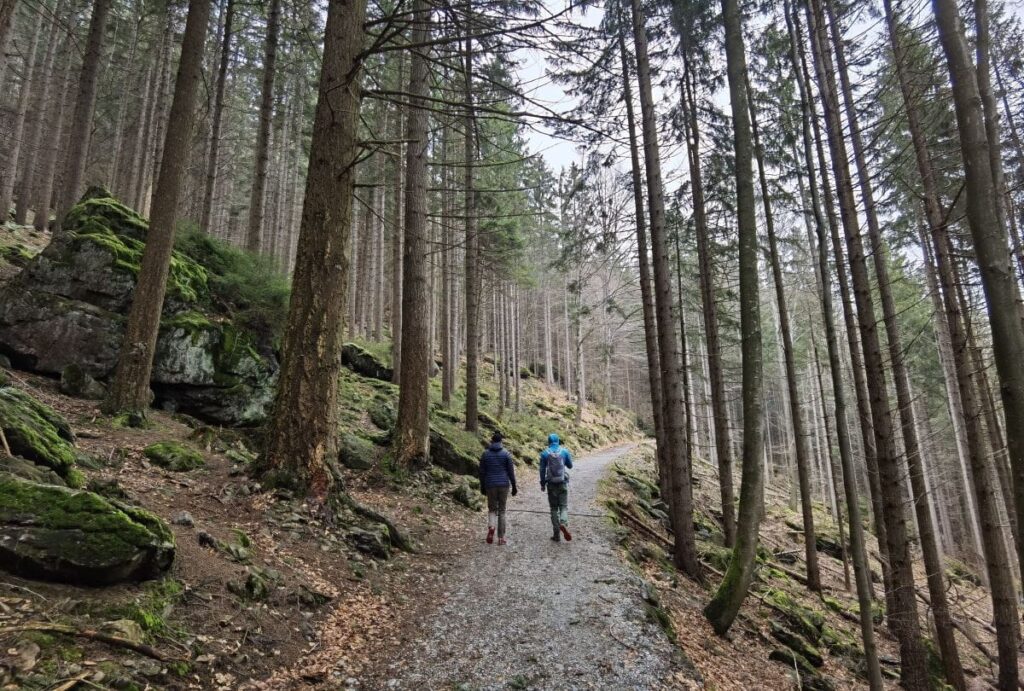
{"points": [[556, 537]]}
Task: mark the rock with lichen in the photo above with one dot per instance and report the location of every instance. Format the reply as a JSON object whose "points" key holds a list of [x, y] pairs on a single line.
{"points": [[172, 455], [67, 309], [37, 433], [75, 536]]}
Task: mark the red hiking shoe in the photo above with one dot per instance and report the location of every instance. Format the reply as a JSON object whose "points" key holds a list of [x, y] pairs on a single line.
{"points": [[565, 532], [490, 536]]}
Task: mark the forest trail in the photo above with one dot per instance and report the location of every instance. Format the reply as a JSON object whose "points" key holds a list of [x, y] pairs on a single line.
{"points": [[540, 614]]}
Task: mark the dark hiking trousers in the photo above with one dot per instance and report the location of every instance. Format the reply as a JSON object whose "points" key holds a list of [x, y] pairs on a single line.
{"points": [[497, 497], [558, 500]]}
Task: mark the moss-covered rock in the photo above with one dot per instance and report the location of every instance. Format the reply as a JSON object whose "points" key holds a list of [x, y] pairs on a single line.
{"points": [[27, 470], [355, 452], [35, 432], [363, 362], [465, 494], [174, 456], [445, 453], [810, 679], [75, 536], [76, 382], [16, 255], [804, 620], [374, 541], [215, 355], [382, 414], [796, 643]]}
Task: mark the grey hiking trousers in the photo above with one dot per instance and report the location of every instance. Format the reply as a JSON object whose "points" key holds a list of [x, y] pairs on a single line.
{"points": [[497, 497], [558, 501]]}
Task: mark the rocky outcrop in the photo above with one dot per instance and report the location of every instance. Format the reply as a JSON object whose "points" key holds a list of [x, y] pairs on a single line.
{"points": [[445, 454], [363, 362], [173, 455], [37, 433], [74, 536], [74, 381], [355, 452], [66, 309]]}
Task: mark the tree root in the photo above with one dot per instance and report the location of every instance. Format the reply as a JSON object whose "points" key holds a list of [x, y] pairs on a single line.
{"points": [[91, 634]]}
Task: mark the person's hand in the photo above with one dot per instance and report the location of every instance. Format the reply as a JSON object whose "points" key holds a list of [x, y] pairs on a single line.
{"points": [[515, 490], [543, 487]]}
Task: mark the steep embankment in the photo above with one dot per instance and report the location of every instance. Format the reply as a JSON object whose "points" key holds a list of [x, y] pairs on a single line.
{"points": [[259, 582], [785, 635]]}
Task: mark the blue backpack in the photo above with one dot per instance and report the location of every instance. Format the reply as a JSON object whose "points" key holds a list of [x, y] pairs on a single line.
{"points": [[555, 473]]}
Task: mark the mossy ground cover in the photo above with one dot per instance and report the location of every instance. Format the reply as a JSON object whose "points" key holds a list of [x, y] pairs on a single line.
{"points": [[367, 410]]}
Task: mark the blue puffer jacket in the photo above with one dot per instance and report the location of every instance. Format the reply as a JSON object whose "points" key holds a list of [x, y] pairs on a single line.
{"points": [[496, 468]]}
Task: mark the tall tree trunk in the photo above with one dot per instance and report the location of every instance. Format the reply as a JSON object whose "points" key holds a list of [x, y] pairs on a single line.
{"points": [[646, 296], [217, 116], [681, 498], [857, 369], [834, 472], [303, 431], [990, 244], [254, 233], [7, 12], [129, 390], [44, 186], [796, 414], [16, 152], [34, 138], [412, 433], [709, 302], [922, 499], [903, 618], [725, 605], [472, 280], [861, 568], [85, 105]]}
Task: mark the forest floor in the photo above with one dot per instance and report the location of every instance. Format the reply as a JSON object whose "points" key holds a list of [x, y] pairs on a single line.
{"points": [[263, 595]]}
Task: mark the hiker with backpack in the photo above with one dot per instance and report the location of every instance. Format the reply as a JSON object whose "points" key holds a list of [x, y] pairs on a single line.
{"points": [[554, 479], [497, 479]]}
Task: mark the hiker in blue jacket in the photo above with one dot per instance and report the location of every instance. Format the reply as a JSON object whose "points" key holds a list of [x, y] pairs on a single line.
{"points": [[497, 477], [554, 460]]}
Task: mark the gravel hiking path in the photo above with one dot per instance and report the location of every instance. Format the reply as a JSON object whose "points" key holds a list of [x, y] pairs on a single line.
{"points": [[536, 614]]}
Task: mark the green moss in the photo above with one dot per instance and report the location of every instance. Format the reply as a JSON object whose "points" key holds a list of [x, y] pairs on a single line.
{"points": [[174, 456], [961, 574], [34, 431], [841, 643], [804, 620], [16, 255], [658, 615], [152, 609], [99, 526], [106, 223]]}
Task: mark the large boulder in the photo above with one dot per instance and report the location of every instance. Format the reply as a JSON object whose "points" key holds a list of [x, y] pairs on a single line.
{"points": [[37, 433], [445, 454], [74, 536], [362, 362], [67, 307]]}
